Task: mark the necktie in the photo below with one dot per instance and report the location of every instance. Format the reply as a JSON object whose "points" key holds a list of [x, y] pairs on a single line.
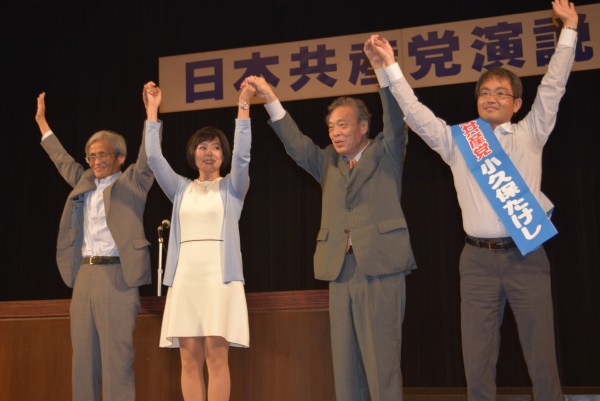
{"points": [[351, 165], [348, 245]]}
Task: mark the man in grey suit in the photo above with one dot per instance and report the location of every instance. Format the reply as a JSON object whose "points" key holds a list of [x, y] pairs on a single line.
{"points": [[363, 248], [102, 253]]}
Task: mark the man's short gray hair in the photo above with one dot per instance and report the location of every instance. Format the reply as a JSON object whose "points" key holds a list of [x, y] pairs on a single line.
{"points": [[116, 140]]}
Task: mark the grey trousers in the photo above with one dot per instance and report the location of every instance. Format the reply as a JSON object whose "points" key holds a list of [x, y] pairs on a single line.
{"points": [[103, 313], [488, 279], [366, 314]]}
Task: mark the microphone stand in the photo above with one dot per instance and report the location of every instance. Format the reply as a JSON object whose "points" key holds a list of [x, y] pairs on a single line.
{"points": [[160, 270]]}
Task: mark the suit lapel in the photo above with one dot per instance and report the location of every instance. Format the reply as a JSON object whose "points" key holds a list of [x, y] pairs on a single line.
{"points": [[365, 167], [106, 194], [84, 185], [343, 168]]}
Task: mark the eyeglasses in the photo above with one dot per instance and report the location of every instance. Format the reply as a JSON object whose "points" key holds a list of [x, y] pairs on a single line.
{"points": [[97, 157], [486, 94]]}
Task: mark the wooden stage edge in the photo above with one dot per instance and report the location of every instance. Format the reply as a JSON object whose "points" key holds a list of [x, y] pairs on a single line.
{"points": [[294, 328], [257, 301]]}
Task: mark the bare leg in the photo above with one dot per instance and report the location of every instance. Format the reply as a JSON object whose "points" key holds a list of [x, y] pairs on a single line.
{"points": [[192, 368], [219, 380]]}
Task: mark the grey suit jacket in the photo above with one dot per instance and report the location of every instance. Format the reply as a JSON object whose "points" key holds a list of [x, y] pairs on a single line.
{"points": [[367, 201], [124, 203]]}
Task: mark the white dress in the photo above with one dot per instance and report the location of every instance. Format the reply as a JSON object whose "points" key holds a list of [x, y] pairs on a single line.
{"points": [[199, 304]]}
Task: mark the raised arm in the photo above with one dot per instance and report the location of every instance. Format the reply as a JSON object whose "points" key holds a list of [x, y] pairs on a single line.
{"points": [[68, 168], [395, 133], [379, 51], [247, 92], [40, 115], [298, 146], [152, 97], [434, 131], [541, 119], [242, 139], [565, 10], [141, 173], [262, 89], [168, 180]]}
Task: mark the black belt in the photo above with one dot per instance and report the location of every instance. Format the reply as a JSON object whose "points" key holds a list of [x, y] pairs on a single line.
{"points": [[101, 260], [491, 243]]}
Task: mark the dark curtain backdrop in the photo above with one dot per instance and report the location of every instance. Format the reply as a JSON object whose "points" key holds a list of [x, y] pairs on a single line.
{"points": [[92, 59]]}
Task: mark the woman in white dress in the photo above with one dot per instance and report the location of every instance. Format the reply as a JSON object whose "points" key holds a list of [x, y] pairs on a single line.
{"points": [[205, 310]]}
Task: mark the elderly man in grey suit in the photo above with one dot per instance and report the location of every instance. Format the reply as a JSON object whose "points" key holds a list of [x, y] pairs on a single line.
{"points": [[363, 248], [102, 253]]}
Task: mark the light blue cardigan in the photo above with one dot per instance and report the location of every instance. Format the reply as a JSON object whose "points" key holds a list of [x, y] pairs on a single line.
{"points": [[233, 189]]}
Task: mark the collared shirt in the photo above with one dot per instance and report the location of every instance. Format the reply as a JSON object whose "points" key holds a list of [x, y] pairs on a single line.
{"points": [[358, 155], [522, 141], [97, 239]]}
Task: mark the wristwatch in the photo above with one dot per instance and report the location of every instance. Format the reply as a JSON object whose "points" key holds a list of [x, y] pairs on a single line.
{"points": [[244, 106]]}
